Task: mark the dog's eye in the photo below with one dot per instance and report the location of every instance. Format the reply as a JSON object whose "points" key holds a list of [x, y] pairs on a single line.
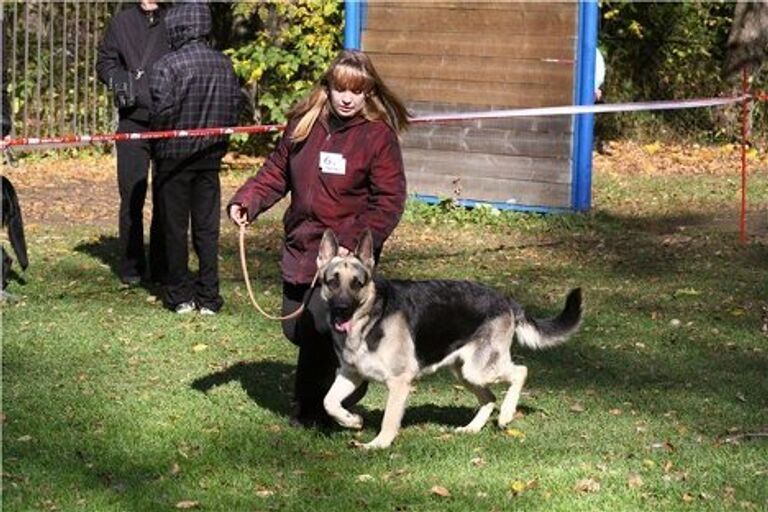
{"points": [[333, 283], [356, 284]]}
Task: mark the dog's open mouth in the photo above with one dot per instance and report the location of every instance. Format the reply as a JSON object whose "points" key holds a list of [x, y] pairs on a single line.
{"points": [[345, 326], [341, 319]]}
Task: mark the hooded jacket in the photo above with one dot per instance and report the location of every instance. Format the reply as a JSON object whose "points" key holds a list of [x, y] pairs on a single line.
{"points": [[369, 193], [123, 49], [193, 86]]}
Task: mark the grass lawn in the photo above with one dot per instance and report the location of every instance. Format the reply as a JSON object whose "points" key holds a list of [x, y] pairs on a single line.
{"points": [[111, 403]]}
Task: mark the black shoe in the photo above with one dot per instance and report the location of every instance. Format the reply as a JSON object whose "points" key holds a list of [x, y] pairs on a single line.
{"points": [[130, 281]]}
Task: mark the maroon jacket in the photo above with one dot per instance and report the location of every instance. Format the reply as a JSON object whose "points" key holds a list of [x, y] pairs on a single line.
{"points": [[370, 194]]}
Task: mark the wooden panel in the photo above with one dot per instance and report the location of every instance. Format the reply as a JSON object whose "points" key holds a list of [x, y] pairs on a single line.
{"points": [[478, 165], [516, 20], [487, 140], [529, 46], [472, 69], [510, 95], [495, 5], [512, 192]]}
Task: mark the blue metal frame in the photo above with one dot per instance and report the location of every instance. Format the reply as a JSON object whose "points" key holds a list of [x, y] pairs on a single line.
{"points": [[353, 23], [583, 124]]}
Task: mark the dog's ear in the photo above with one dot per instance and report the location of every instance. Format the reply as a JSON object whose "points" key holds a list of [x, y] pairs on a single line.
{"points": [[364, 250], [329, 247]]}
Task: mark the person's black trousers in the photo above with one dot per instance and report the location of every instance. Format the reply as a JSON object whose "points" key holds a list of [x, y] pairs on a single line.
{"points": [[191, 195], [133, 163], [317, 361]]}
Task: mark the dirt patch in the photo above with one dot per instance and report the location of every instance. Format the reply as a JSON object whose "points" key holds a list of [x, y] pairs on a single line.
{"points": [[82, 191], [60, 191]]}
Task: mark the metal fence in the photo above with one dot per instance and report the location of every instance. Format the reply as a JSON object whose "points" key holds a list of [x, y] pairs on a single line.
{"points": [[50, 50]]}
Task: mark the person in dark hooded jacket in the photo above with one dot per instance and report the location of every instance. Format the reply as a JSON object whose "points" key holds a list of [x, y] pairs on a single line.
{"points": [[135, 38], [193, 86]]}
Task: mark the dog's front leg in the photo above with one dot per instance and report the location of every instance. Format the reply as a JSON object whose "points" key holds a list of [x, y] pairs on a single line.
{"points": [[346, 382], [399, 388]]}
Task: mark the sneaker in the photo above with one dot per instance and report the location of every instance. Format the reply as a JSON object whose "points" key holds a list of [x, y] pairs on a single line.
{"points": [[185, 307], [207, 311]]}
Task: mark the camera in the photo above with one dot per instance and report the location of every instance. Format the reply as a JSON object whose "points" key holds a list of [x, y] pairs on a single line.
{"points": [[123, 90]]}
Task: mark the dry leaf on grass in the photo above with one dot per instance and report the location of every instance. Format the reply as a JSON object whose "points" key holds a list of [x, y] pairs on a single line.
{"points": [[634, 481], [577, 408], [187, 504], [441, 491], [587, 485], [519, 486]]}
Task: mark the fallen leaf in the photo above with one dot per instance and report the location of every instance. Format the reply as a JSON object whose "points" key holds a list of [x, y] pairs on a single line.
{"points": [[265, 493], [615, 412], [515, 433], [634, 481], [24, 439], [365, 478], [199, 347], [687, 497], [478, 462], [175, 469], [440, 491], [577, 408], [187, 504], [587, 485], [517, 487]]}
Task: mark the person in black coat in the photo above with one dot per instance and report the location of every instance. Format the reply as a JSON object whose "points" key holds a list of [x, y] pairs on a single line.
{"points": [[193, 86], [135, 39]]}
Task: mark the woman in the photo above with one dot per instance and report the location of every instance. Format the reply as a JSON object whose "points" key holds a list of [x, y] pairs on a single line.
{"points": [[340, 159]]}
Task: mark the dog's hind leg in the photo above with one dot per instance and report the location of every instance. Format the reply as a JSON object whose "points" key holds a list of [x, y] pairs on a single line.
{"points": [[345, 384], [516, 377], [484, 396], [399, 389]]}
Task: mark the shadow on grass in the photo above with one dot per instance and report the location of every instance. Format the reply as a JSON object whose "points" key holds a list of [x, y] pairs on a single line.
{"points": [[104, 249], [264, 383]]}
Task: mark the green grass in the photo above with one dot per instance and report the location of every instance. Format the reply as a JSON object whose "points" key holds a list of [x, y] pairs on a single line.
{"points": [[111, 403]]}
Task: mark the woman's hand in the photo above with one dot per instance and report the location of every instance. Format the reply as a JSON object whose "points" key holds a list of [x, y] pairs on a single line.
{"points": [[239, 214]]}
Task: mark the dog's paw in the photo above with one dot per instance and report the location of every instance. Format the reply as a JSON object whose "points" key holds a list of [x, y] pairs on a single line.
{"points": [[468, 429], [377, 444], [349, 420], [505, 419]]}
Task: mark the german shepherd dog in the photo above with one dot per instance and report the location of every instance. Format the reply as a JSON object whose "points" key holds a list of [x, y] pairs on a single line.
{"points": [[395, 331]]}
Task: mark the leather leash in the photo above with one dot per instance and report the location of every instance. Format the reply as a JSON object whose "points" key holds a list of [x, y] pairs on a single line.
{"points": [[244, 266]]}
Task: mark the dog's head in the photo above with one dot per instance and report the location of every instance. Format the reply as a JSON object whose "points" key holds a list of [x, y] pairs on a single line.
{"points": [[346, 281]]}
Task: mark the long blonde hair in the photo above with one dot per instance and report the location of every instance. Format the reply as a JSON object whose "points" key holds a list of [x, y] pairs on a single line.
{"points": [[350, 70]]}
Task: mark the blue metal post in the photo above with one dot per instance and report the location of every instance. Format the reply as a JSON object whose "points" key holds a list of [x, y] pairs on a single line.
{"points": [[583, 133], [353, 18]]}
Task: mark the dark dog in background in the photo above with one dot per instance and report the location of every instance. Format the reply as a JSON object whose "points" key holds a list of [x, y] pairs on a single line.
{"points": [[395, 331], [12, 221]]}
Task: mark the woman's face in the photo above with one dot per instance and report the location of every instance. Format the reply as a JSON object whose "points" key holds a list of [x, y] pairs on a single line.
{"points": [[347, 103]]}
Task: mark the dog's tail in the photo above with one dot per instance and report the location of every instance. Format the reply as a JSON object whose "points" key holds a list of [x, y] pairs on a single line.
{"points": [[535, 333]]}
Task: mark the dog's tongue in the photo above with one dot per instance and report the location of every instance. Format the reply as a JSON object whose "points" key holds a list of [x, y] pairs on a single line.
{"points": [[344, 326]]}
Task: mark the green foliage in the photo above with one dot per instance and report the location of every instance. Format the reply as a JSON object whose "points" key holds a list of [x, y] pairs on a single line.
{"points": [[449, 212], [666, 50], [298, 40]]}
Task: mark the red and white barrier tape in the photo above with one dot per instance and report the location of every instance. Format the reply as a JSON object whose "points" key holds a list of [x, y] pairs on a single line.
{"points": [[435, 118]]}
